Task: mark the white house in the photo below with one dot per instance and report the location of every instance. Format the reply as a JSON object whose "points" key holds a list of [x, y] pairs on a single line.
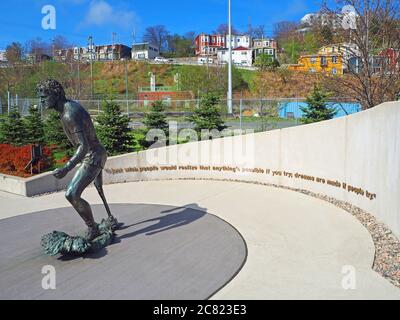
{"points": [[144, 51], [3, 56], [240, 41], [241, 56]]}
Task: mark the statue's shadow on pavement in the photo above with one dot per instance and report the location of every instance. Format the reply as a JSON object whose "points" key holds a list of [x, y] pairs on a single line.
{"points": [[168, 220]]}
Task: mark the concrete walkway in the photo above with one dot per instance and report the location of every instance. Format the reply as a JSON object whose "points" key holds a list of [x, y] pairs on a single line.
{"points": [[299, 247]]}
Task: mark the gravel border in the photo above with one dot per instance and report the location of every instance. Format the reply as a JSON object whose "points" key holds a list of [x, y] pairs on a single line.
{"points": [[387, 245]]}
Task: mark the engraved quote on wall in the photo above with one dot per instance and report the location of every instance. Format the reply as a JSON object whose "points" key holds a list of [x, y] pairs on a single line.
{"points": [[259, 171]]}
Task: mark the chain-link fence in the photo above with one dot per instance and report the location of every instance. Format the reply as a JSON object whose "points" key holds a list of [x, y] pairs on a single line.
{"points": [[257, 114]]}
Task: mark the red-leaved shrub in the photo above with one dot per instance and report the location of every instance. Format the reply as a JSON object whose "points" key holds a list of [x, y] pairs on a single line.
{"points": [[13, 160]]}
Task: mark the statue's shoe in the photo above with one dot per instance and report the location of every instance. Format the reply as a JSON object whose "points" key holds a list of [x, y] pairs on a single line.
{"points": [[92, 233], [112, 223]]}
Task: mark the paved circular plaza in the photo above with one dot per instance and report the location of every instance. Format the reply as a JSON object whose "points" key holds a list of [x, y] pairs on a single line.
{"points": [[298, 247]]}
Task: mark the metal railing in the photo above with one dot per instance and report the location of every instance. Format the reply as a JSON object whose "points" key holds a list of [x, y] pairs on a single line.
{"points": [[157, 89]]}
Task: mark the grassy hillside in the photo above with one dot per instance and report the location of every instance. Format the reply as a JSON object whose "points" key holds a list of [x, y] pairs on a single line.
{"points": [[109, 79]]}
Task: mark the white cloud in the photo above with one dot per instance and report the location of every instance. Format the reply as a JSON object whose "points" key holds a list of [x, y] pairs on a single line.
{"points": [[102, 13]]}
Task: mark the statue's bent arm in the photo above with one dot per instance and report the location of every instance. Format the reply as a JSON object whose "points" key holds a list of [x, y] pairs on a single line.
{"points": [[83, 149]]}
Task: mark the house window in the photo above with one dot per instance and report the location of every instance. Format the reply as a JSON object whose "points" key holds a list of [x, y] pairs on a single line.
{"points": [[334, 71], [312, 70], [334, 59], [313, 59], [244, 53]]}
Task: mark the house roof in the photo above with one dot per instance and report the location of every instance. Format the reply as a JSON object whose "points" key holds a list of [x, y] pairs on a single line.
{"points": [[321, 55], [241, 49]]}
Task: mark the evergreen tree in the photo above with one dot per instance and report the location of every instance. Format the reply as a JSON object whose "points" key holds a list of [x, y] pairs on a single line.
{"points": [[2, 120], [34, 127], [208, 115], [12, 129], [317, 109], [113, 129], [156, 119], [54, 132]]}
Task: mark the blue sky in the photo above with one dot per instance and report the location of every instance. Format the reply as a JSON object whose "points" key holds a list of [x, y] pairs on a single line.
{"points": [[77, 19]]}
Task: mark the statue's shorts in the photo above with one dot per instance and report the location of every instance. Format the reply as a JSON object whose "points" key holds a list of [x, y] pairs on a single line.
{"points": [[97, 156]]}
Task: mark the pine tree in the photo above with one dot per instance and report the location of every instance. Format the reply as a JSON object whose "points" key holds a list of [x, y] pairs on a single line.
{"points": [[317, 106], [12, 129], [113, 129], [54, 132], [208, 115], [156, 119], [34, 127], [2, 120]]}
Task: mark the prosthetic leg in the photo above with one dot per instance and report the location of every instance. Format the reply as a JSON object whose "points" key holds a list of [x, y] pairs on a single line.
{"points": [[99, 186]]}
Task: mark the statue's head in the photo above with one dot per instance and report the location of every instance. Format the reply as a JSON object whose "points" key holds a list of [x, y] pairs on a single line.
{"points": [[50, 92]]}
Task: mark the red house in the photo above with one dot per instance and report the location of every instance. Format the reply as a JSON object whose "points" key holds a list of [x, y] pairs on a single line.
{"points": [[209, 44]]}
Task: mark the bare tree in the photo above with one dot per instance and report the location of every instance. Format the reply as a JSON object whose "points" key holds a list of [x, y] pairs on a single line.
{"points": [[14, 52], [224, 29], [190, 35], [285, 29], [157, 35], [258, 32], [60, 42], [372, 59]]}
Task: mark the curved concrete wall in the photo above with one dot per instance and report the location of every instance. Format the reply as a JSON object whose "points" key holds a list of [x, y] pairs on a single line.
{"points": [[354, 159]]}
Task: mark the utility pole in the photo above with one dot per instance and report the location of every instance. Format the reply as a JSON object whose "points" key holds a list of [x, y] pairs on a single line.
{"points": [[134, 36], [79, 72], [208, 57], [91, 65], [9, 102], [250, 27], [230, 109], [126, 86], [133, 55], [8, 97], [113, 45]]}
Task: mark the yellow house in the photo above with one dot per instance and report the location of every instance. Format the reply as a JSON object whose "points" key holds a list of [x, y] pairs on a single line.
{"points": [[321, 63]]}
